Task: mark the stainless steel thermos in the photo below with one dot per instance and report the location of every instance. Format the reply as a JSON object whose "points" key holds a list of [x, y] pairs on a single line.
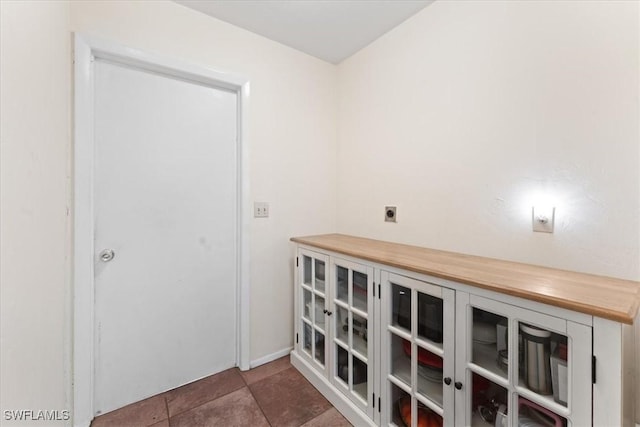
{"points": [[537, 349]]}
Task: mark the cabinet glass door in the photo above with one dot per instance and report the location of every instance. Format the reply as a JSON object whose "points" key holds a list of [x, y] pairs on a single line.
{"points": [[487, 368], [417, 334], [313, 303], [517, 371], [351, 314], [542, 377]]}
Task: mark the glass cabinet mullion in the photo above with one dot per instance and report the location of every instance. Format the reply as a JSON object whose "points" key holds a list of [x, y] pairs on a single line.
{"points": [[352, 331]]}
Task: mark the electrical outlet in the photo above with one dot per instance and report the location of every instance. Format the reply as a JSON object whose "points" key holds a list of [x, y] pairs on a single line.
{"points": [[260, 210], [390, 214], [543, 218]]}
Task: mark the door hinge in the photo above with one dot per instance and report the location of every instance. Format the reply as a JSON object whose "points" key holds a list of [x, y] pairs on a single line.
{"points": [[296, 261], [593, 369], [296, 338]]}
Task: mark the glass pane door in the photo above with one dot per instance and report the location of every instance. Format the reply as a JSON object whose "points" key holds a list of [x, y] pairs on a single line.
{"points": [[415, 342], [351, 313], [543, 367], [488, 367], [523, 366], [313, 269]]}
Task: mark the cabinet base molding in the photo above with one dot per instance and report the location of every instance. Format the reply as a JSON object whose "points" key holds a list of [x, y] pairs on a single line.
{"points": [[354, 415]]}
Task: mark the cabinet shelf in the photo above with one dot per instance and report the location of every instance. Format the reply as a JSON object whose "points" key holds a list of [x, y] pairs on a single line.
{"points": [[545, 401]]}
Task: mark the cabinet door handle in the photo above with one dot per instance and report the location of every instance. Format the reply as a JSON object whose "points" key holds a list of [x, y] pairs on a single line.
{"points": [[325, 311], [458, 385], [329, 313], [447, 381]]}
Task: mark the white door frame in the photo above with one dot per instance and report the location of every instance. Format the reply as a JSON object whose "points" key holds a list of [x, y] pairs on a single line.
{"points": [[86, 50]]}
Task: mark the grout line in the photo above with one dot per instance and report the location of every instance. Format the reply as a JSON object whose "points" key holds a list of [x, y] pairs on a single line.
{"points": [[208, 401], [247, 385], [166, 405], [259, 406]]}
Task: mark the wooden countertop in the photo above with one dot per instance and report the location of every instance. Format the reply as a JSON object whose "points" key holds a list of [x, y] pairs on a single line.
{"points": [[599, 296]]}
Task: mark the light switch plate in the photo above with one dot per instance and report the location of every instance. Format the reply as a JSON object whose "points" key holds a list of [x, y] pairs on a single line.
{"points": [[260, 210]]}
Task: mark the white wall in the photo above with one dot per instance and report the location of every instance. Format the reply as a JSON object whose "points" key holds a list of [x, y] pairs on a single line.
{"points": [[34, 176], [292, 135], [466, 112], [470, 111], [292, 142], [459, 116]]}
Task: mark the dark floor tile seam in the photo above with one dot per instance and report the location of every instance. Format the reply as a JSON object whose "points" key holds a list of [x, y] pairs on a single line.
{"points": [[166, 407], [259, 406], [203, 403], [247, 385], [258, 402]]}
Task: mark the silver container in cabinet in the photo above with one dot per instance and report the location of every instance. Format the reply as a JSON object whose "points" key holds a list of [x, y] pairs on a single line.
{"points": [[537, 349]]}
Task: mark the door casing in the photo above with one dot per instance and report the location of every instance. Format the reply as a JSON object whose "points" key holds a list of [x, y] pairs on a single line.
{"points": [[86, 49]]}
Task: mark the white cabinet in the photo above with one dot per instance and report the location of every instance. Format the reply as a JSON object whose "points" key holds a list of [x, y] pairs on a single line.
{"points": [[312, 310], [335, 333], [392, 347], [418, 349], [353, 332], [454, 358], [520, 365]]}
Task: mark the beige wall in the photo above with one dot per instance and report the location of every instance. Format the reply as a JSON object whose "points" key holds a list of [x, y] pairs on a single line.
{"points": [[292, 135], [35, 189], [459, 116], [466, 112], [470, 111], [292, 164]]}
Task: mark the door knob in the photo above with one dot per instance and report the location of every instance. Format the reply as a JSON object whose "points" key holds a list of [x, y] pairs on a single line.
{"points": [[447, 381], [458, 385], [107, 255]]}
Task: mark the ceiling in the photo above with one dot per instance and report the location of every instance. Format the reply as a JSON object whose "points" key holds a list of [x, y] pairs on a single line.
{"points": [[331, 30]]}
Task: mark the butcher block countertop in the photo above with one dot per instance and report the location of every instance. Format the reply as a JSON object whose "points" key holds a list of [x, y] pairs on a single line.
{"points": [[600, 296]]}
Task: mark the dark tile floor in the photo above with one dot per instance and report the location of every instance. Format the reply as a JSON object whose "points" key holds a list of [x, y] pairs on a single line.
{"points": [[274, 394]]}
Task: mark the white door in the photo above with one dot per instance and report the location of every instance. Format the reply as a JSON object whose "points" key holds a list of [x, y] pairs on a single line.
{"points": [[165, 188]]}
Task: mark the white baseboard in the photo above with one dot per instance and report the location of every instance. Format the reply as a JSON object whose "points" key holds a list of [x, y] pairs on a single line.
{"points": [[270, 357]]}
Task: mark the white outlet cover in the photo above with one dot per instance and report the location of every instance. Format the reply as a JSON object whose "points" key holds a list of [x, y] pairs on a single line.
{"points": [[390, 214], [543, 218]]}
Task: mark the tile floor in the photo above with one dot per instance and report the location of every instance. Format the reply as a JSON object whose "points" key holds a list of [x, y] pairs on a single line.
{"points": [[274, 394]]}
